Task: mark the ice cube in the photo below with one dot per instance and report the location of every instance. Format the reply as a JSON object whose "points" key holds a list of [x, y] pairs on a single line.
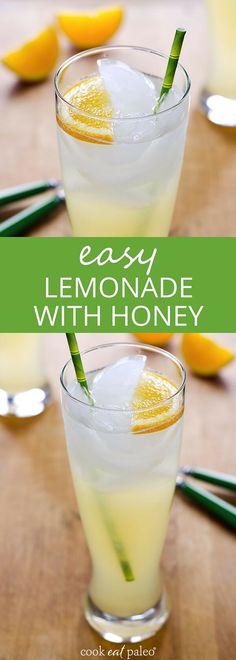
{"points": [[114, 386], [131, 92]]}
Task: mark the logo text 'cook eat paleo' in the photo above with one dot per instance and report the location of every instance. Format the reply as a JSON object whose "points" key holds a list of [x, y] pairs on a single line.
{"points": [[122, 652]]}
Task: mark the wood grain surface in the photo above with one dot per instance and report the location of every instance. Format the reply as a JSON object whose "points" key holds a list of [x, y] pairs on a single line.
{"points": [[207, 194], [44, 564]]}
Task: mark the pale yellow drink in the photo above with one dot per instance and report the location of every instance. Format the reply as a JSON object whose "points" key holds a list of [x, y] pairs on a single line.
{"points": [[222, 46], [121, 189], [91, 215], [124, 464], [23, 385], [141, 512], [21, 362], [120, 167]]}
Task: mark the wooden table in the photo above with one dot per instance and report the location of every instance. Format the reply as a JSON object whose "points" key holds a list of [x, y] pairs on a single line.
{"points": [[44, 565], [207, 197]]}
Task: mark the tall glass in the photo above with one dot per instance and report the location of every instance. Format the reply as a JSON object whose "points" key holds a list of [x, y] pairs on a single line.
{"points": [[219, 97], [23, 386], [121, 173], [124, 482]]}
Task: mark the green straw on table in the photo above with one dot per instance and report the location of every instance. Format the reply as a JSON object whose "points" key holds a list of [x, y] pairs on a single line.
{"points": [[116, 541], [171, 66], [10, 195], [215, 505], [227, 481], [29, 217]]}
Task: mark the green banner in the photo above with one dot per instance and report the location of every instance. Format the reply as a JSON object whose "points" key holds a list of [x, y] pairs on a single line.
{"points": [[117, 284]]}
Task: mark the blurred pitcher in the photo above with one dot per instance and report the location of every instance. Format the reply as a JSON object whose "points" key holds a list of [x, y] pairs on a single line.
{"points": [[219, 96], [23, 388]]}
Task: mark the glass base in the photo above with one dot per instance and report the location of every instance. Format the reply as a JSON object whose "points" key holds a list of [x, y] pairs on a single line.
{"points": [[130, 629], [24, 404], [219, 109]]}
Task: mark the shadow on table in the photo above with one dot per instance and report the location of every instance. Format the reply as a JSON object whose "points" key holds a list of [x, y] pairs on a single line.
{"points": [[21, 88]]}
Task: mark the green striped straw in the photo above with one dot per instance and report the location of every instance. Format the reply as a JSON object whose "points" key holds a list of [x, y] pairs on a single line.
{"points": [[171, 66], [117, 542], [212, 503], [78, 364], [109, 523]]}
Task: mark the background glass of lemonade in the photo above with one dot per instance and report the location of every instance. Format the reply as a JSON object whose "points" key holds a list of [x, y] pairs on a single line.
{"points": [[124, 482], [219, 98], [23, 387], [123, 180]]}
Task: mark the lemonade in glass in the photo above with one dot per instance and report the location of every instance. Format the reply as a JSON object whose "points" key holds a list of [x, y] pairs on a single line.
{"points": [[219, 98], [124, 454], [120, 160], [23, 385]]}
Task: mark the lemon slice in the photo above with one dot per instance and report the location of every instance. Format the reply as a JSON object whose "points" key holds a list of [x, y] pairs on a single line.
{"points": [[150, 415], [90, 29], [204, 356], [36, 58], [86, 120]]}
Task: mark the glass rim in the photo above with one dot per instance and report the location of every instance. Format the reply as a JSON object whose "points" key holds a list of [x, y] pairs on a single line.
{"points": [[93, 51], [146, 347]]}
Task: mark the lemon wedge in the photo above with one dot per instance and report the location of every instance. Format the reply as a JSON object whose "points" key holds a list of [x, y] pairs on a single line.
{"points": [[149, 414], [204, 356], [36, 58], [86, 118], [90, 29], [154, 338]]}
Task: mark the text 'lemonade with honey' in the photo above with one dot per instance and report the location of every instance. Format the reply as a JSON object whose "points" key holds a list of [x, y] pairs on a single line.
{"points": [[124, 453], [120, 160]]}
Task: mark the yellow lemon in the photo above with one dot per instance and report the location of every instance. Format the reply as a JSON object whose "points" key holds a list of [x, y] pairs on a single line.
{"points": [[90, 29], [156, 338], [88, 111], [150, 415], [35, 59], [204, 356]]}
